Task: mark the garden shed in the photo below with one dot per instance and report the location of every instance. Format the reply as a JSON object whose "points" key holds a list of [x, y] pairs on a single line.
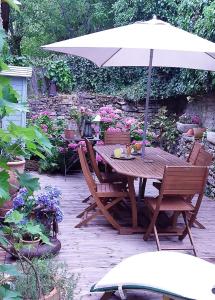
{"points": [[18, 77]]}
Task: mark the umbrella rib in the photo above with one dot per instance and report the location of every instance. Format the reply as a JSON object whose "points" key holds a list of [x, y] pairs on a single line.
{"points": [[102, 65], [210, 55]]}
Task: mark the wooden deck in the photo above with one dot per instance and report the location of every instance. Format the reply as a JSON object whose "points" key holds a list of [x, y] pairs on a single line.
{"points": [[92, 250]]}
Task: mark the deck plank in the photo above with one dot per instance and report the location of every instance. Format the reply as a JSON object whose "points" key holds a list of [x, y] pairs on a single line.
{"points": [[92, 250]]}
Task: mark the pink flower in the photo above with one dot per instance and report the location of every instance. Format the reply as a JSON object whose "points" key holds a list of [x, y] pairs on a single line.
{"points": [[34, 117], [82, 144], [130, 121], [108, 109], [100, 143], [98, 158], [147, 143], [73, 146], [45, 113], [82, 109], [62, 150], [44, 127], [119, 125], [112, 129], [118, 111], [106, 120]]}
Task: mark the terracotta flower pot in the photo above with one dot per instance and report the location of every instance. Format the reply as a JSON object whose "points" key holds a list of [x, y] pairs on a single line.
{"points": [[53, 295], [190, 132], [211, 137], [18, 165], [34, 243], [69, 134], [183, 128], [198, 132]]}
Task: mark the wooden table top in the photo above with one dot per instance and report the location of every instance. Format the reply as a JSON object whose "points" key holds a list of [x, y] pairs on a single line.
{"points": [[151, 167]]}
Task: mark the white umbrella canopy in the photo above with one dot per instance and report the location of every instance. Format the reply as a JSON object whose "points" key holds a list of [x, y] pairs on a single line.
{"points": [[130, 46], [152, 43]]}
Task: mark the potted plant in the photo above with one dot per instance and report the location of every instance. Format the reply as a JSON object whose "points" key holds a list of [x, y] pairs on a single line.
{"points": [[43, 208], [211, 136], [187, 121], [24, 231]]}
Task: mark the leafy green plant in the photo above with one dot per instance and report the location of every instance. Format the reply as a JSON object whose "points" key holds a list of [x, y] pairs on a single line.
{"points": [[59, 72], [164, 130], [51, 274]]}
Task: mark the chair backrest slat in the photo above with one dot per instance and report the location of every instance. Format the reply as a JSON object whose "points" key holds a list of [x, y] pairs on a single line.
{"points": [[204, 158], [93, 160], [184, 180], [113, 138], [86, 171], [194, 153]]}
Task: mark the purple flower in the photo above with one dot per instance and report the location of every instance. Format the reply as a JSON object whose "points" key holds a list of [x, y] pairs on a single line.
{"points": [[59, 214], [18, 201], [23, 191]]}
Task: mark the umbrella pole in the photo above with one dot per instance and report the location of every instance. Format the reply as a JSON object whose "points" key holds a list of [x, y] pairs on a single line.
{"points": [[147, 101]]}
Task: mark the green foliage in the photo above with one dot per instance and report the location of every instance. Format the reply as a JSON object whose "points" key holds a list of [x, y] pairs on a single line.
{"points": [[59, 72], [4, 186], [30, 183], [51, 274], [22, 229], [53, 128], [164, 128]]}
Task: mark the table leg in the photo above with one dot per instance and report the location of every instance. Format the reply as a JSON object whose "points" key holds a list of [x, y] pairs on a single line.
{"points": [[133, 201]]}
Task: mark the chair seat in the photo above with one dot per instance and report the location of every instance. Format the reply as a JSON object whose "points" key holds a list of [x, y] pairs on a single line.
{"points": [[170, 203], [113, 177], [111, 190]]}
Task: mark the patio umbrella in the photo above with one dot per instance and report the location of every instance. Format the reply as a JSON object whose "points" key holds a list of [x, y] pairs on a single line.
{"points": [[152, 43]]}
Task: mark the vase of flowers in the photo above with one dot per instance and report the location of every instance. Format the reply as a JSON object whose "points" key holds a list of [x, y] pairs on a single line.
{"points": [[187, 121]]}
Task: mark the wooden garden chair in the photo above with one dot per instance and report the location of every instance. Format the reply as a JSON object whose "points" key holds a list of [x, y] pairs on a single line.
{"points": [[178, 183], [105, 195], [113, 138], [103, 177], [191, 159]]}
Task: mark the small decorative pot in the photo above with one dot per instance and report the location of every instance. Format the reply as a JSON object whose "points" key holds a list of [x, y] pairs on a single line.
{"points": [[211, 137], [185, 127], [53, 295], [198, 132], [69, 134]]}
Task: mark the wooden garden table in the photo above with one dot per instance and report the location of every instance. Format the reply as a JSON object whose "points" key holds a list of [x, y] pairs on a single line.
{"points": [[151, 167]]}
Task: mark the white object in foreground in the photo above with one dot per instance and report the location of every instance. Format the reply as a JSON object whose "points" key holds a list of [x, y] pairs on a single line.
{"points": [[177, 275]]}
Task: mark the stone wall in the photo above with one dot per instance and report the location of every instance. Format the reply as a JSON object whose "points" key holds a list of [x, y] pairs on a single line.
{"points": [[184, 148], [60, 105], [204, 106]]}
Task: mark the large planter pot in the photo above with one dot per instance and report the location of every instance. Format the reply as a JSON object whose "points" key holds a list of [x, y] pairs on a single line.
{"points": [[198, 132], [183, 128], [18, 165], [53, 295], [211, 137]]}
